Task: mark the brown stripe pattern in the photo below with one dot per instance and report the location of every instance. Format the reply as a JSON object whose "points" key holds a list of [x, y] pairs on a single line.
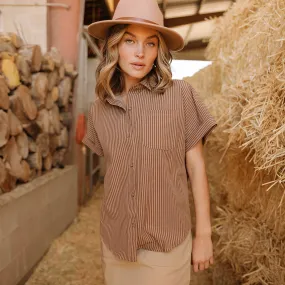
{"points": [[146, 202]]}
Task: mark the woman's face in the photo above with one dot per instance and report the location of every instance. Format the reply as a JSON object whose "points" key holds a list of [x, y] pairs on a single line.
{"points": [[137, 52]]}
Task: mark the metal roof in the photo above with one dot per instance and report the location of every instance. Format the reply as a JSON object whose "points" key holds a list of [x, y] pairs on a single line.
{"points": [[191, 18]]}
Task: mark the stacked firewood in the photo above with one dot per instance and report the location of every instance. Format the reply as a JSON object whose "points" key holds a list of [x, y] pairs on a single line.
{"points": [[35, 110]]}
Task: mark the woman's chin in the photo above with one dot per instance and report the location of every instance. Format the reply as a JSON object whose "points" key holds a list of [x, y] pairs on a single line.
{"points": [[137, 74]]}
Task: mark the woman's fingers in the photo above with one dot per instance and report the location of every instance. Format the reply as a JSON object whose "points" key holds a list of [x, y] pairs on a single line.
{"points": [[196, 266], [201, 266]]}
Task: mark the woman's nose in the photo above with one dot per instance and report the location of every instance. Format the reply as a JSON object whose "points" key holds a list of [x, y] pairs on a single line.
{"points": [[140, 51]]}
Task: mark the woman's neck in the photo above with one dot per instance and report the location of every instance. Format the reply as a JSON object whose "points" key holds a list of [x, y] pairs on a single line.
{"points": [[130, 82]]}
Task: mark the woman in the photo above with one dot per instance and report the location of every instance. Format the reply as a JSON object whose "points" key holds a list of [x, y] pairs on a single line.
{"points": [[150, 130]]}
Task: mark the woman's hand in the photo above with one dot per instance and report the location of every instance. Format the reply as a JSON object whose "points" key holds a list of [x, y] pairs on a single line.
{"points": [[202, 252]]}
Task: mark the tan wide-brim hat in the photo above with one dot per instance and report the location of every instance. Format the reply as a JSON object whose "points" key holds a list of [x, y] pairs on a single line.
{"points": [[140, 12]]}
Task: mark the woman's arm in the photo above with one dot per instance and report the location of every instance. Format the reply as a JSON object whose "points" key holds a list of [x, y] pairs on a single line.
{"points": [[202, 252]]}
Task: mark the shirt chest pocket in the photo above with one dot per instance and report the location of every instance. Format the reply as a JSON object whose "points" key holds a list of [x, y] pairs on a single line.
{"points": [[158, 129]]}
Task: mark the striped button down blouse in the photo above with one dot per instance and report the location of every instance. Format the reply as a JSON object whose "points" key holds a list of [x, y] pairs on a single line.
{"points": [[146, 203]]}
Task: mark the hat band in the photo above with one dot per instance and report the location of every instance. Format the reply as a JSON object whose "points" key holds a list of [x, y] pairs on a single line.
{"points": [[136, 20]]}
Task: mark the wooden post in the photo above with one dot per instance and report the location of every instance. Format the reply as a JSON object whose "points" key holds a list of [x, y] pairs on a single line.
{"points": [[116, 3]]}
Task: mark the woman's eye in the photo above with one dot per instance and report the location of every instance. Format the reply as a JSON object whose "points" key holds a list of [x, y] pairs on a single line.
{"points": [[151, 44], [129, 41]]}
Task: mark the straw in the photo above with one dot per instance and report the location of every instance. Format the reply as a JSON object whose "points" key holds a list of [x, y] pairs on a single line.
{"points": [[249, 46]]}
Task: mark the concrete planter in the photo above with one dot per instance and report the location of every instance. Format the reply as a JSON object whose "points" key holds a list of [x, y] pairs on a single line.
{"points": [[31, 217]]}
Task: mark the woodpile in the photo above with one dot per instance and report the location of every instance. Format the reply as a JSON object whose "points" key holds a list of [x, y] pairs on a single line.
{"points": [[35, 110]]}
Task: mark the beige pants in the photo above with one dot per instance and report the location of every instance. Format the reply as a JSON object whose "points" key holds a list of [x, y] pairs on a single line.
{"points": [[151, 268]]}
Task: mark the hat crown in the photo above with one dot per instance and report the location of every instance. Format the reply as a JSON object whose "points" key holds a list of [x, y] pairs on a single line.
{"points": [[142, 9]]}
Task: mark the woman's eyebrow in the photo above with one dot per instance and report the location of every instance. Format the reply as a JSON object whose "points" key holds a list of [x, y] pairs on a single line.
{"points": [[153, 36], [150, 37], [130, 34]]}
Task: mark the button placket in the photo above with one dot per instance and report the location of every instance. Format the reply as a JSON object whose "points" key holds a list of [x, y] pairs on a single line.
{"points": [[129, 108], [131, 162]]}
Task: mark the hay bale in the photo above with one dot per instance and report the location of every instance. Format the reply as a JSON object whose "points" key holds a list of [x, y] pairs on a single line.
{"points": [[245, 155], [223, 274], [236, 185], [253, 250], [248, 45]]}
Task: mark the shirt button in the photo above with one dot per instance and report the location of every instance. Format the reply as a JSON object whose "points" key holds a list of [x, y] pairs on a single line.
{"points": [[132, 165], [133, 194], [130, 108]]}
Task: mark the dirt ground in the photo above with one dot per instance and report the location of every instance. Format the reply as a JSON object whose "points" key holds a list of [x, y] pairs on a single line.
{"points": [[74, 257]]}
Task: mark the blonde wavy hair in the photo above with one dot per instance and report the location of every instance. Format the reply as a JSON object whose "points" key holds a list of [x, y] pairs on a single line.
{"points": [[109, 77]]}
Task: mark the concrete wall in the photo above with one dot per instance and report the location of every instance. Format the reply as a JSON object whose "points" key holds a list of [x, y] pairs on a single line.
{"points": [[31, 216], [29, 22]]}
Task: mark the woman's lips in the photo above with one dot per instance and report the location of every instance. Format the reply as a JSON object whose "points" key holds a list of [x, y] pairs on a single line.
{"points": [[137, 66]]}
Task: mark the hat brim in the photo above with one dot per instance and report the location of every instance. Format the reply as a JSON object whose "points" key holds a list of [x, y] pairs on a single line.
{"points": [[172, 39]]}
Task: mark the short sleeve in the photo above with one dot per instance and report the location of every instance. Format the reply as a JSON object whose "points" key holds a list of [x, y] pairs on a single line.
{"points": [[91, 137], [198, 121]]}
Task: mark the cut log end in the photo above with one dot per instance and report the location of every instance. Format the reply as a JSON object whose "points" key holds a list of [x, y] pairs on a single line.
{"points": [[13, 159], [14, 124], [32, 145], [4, 128], [26, 171], [47, 62], [33, 54], [9, 184], [32, 129], [58, 158], [47, 165], [23, 144], [43, 121], [12, 39], [11, 73], [23, 105], [24, 69], [35, 160], [4, 91], [64, 87], [39, 88], [3, 171], [42, 143]]}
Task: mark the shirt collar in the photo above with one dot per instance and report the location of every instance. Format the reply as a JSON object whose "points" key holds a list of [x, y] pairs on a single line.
{"points": [[146, 83]]}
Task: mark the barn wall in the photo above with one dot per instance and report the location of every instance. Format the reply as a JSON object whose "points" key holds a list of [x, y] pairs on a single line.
{"points": [[29, 22]]}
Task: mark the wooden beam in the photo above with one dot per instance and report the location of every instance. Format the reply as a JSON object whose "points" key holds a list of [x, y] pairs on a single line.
{"points": [[179, 4], [164, 4], [107, 8], [115, 4], [173, 22], [199, 5], [91, 43], [198, 44]]}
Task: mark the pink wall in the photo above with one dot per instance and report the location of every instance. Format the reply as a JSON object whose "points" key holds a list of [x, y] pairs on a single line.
{"points": [[63, 33], [63, 26]]}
